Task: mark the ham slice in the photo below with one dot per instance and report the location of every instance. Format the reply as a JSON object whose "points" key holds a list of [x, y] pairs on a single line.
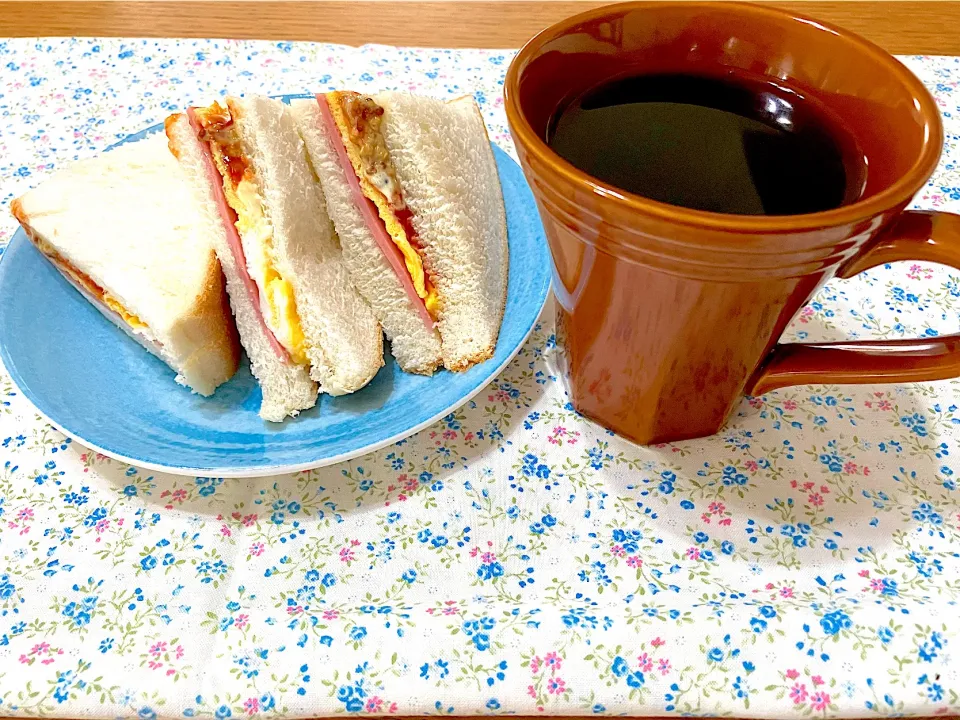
{"points": [[369, 212], [229, 218]]}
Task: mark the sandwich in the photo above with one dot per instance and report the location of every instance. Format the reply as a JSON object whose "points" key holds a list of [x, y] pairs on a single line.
{"points": [[123, 229], [412, 188], [302, 323]]}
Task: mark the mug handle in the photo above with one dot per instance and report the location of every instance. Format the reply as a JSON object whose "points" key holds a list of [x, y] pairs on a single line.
{"points": [[915, 235]]}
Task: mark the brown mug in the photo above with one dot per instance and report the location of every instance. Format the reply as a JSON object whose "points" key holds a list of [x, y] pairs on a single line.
{"points": [[667, 316]]}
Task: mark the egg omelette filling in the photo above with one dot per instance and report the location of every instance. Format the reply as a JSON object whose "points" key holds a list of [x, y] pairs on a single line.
{"points": [[359, 119], [90, 285], [277, 300]]}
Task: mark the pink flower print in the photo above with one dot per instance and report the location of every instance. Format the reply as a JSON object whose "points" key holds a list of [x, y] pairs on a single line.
{"points": [[756, 402], [346, 555], [815, 499], [555, 686], [751, 465], [798, 693], [657, 642], [850, 468], [178, 652], [531, 692], [876, 584], [725, 522], [664, 666], [705, 517], [884, 405], [786, 591], [864, 573], [535, 664], [474, 552], [693, 553], [792, 674], [251, 706], [179, 495], [717, 507], [789, 405], [331, 614], [806, 314], [25, 514], [24, 659], [451, 608], [820, 700], [354, 543], [154, 665], [249, 520], [553, 661], [241, 622], [102, 526], [158, 648], [40, 648], [449, 434], [488, 558], [816, 680], [644, 662], [256, 549], [225, 531], [634, 561], [617, 550], [373, 705]]}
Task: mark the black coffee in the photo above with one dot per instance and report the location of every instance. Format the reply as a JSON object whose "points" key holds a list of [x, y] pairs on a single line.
{"points": [[735, 144]]}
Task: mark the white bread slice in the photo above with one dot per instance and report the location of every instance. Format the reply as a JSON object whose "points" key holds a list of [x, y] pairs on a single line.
{"points": [[286, 387], [415, 346], [127, 221], [445, 165], [344, 339]]}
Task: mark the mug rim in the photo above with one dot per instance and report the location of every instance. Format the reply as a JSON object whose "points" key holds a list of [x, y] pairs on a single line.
{"points": [[899, 192]]}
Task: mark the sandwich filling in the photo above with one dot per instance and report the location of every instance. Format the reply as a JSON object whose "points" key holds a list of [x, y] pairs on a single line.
{"points": [[86, 282], [353, 123], [252, 244]]}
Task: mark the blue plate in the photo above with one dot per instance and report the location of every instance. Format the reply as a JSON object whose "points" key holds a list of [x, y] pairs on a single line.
{"points": [[105, 391]]}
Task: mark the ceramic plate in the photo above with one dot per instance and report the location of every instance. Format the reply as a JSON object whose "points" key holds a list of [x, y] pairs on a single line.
{"points": [[105, 391]]}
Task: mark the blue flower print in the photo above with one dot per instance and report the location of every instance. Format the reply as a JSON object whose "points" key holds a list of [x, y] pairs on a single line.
{"points": [[619, 667], [357, 633], [715, 654], [885, 634], [835, 621], [635, 679], [732, 476]]}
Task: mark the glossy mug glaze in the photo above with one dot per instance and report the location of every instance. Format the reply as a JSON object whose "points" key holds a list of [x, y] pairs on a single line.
{"points": [[667, 316]]}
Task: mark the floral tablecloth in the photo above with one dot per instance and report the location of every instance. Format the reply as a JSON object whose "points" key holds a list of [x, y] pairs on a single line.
{"points": [[512, 558]]}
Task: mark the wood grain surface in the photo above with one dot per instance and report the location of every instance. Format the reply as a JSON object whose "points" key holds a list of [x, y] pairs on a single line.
{"points": [[900, 26]]}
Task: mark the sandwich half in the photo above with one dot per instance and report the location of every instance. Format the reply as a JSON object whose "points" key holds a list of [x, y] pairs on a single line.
{"points": [[300, 319], [123, 229], [412, 187]]}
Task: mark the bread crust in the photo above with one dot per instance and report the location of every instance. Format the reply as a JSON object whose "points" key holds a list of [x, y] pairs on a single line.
{"points": [[487, 352], [201, 346]]}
